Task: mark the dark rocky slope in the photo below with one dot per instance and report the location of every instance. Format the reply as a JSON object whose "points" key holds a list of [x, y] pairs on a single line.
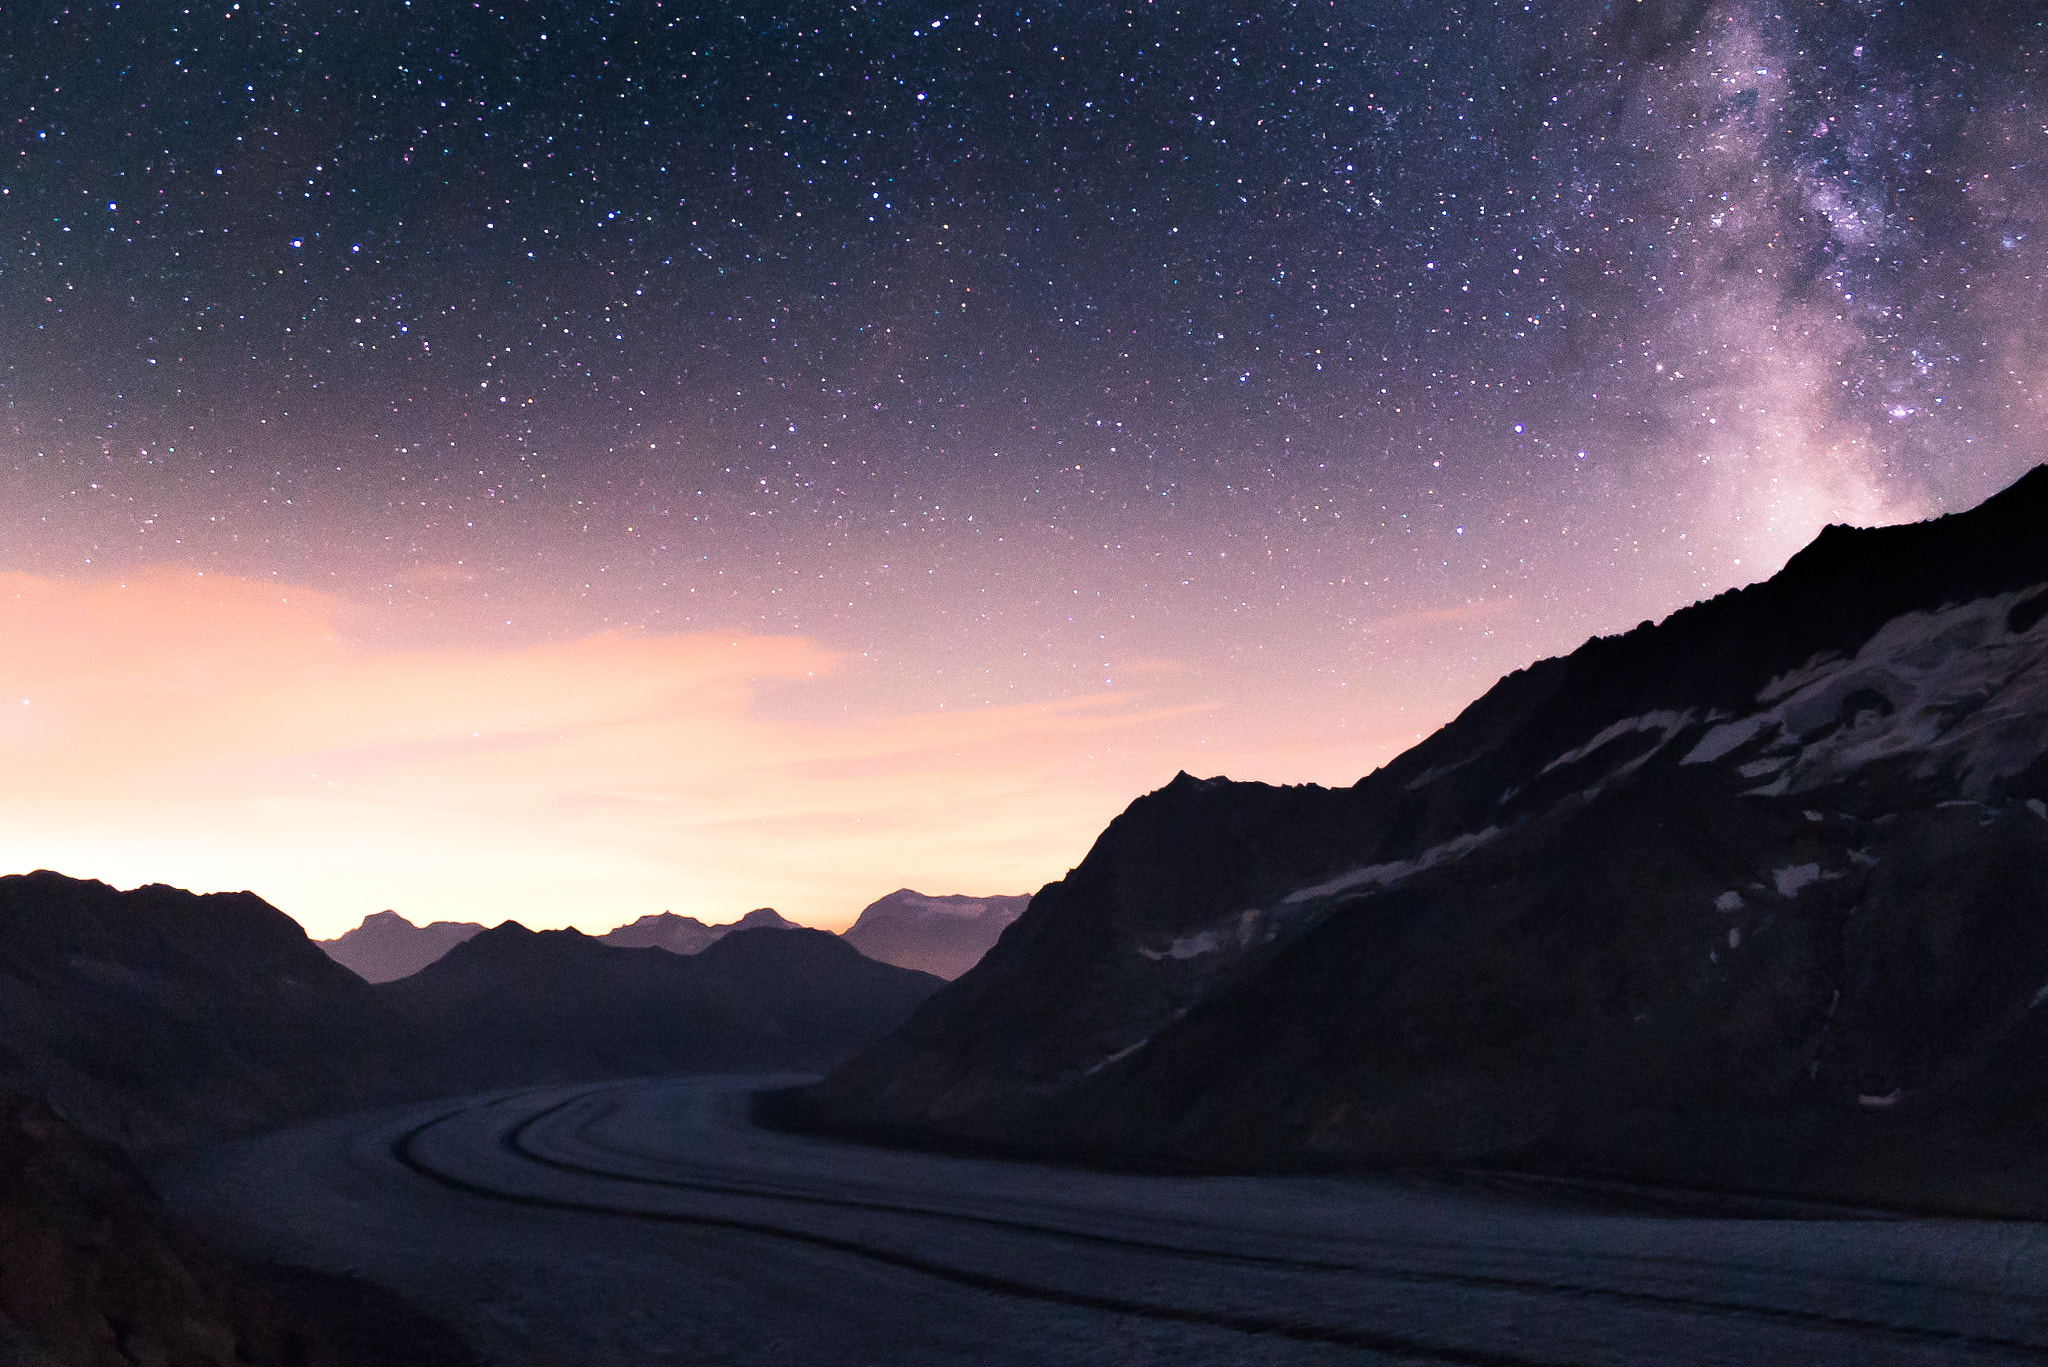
{"points": [[1756, 897], [940, 935], [154, 1015], [387, 946], [94, 1273]]}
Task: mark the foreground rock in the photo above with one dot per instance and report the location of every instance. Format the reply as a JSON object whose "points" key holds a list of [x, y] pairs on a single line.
{"points": [[1756, 898], [940, 935], [93, 1272], [387, 946]]}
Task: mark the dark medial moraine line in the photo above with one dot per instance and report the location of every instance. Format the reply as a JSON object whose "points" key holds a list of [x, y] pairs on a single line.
{"points": [[513, 1142]]}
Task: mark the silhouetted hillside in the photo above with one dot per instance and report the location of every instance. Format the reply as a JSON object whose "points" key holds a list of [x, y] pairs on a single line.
{"points": [[941, 935], [1757, 897], [152, 1015], [514, 1005]]}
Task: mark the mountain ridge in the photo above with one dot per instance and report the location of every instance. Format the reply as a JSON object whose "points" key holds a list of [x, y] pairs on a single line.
{"points": [[154, 1016], [687, 934], [387, 946], [1777, 829]]}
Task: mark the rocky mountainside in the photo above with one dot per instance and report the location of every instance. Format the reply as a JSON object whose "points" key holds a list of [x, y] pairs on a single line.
{"points": [[941, 935], [387, 946], [1756, 897], [687, 934], [151, 1015]]}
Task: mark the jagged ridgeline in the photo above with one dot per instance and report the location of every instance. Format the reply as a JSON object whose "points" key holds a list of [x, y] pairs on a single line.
{"points": [[1756, 897]]}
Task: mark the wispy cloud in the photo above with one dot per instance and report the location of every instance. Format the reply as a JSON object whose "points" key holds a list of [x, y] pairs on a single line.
{"points": [[222, 733]]}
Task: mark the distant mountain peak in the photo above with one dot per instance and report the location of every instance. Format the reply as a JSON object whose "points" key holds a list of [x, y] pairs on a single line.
{"points": [[945, 936], [687, 934], [388, 946]]}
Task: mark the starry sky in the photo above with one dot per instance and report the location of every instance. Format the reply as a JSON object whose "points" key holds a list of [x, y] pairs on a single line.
{"points": [[571, 460]]}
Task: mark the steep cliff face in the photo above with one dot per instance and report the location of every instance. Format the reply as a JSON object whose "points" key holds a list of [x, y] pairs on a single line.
{"points": [[1748, 897]]}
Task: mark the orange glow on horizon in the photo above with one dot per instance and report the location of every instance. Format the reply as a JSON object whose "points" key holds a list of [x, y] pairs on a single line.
{"points": [[217, 733]]}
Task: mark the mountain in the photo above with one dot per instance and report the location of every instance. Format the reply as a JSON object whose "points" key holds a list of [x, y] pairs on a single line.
{"points": [[514, 1005], [1753, 898], [941, 935], [387, 946], [687, 934], [676, 934], [153, 1015]]}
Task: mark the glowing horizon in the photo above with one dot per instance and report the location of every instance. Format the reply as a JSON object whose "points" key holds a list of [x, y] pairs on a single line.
{"points": [[221, 734], [516, 501]]}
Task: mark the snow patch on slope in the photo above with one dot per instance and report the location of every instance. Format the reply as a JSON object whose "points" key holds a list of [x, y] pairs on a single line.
{"points": [[1386, 875], [1670, 723], [1791, 880], [1122, 1053], [1952, 691], [947, 908], [1723, 739], [1209, 941]]}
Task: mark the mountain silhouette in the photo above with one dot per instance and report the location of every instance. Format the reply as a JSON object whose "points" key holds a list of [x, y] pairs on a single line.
{"points": [[1756, 898], [155, 1016], [515, 1005]]}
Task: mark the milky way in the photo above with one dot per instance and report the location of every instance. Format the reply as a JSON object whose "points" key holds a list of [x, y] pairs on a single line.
{"points": [[1299, 369]]}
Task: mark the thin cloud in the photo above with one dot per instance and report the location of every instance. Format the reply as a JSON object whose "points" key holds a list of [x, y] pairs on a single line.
{"points": [[222, 733]]}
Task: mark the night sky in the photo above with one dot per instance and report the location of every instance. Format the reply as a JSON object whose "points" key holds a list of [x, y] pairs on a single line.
{"points": [[1170, 386]]}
